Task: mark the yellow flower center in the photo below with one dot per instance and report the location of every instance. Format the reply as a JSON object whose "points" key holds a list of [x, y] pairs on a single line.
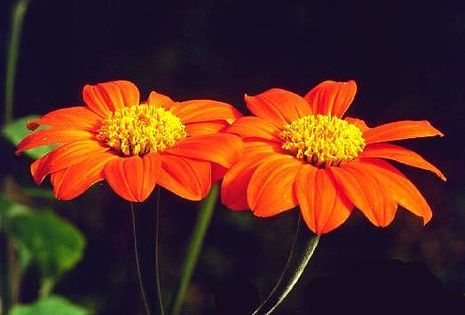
{"points": [[141, 129], [322, 140]]}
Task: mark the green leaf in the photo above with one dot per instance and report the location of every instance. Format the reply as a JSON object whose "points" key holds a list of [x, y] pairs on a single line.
{"points": [[17, 130], [24, 257], [52, 242], [9, 209], [48, 306]]}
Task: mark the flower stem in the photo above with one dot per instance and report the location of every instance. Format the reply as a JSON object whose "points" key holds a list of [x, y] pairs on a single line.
{"points": [[138, 265], [17, 16], [146, 227], [303, 248], [9, 275], [46, 287], [157, 254], [198, 236]]}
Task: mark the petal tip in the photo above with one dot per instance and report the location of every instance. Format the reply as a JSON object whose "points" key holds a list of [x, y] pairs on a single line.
{"points": [[426, 219], [32, 124]]}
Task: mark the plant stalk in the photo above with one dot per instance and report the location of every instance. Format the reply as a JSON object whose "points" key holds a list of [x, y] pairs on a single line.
{"points": [[17, 17], [145, 224], [9, 275], [302, 250], [195, 246]]}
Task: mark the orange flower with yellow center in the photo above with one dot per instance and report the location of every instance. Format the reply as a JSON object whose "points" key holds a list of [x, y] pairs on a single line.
{"points": [[301, 151], [134, 146]]}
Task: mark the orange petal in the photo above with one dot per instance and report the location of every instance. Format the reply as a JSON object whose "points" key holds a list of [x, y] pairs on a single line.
{"points": [[322, 206], [357, 122], [278, 106], [71, 182], [104, 98], [271, 187], [134, 178], [204, 110], [64, 156], [160, 100], [255, 127], [366, 192], [221, 148], [205, 128], [399, 154], [400, 130], [331, 98], [402, 190], [187, 178], [258, 146], [52, 136], [236, 181], [78, 117]]}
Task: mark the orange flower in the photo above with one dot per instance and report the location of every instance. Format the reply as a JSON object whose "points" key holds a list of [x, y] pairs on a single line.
{"points": [[133, 145], [300, 151]]}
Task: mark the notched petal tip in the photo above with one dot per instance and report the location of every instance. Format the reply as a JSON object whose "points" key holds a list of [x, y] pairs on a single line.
{"points": [[427, 219]]}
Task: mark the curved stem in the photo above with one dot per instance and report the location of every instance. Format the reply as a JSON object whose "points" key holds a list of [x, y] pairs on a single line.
{"points": [[198, 236], [136, 252], [303, 248], [146, 245]]}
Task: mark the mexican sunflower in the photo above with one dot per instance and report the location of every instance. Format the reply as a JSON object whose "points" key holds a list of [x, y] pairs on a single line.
{"points": [[301, 151], [134, 145]]}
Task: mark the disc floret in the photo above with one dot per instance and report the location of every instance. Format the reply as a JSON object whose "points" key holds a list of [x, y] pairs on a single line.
{"points": [[322, 140], [140, 129]]}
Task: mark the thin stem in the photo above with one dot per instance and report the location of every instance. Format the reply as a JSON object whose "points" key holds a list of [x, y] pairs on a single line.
{"points": [[136, 252], [17, 17], [46, 287], [198, 236], [303, 248], [157, 255]]}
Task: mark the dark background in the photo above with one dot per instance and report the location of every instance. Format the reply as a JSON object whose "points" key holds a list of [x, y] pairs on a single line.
{"points": [[408, 60]]}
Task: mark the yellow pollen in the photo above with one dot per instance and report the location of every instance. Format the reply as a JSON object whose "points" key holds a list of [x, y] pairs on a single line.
{"points": [[322, 140], [141, 129]]}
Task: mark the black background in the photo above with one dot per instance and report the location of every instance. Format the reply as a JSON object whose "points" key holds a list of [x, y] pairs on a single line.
{"points": [[408, 58]]}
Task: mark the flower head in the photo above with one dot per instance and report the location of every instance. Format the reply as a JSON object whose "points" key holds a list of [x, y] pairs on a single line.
{"points": [[134, 146], [301, 151]]}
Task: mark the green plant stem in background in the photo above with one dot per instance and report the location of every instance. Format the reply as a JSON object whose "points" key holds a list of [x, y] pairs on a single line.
{"points": [[9, 275], [198, 236], [46, 287], [303, 248], [17, 17]]}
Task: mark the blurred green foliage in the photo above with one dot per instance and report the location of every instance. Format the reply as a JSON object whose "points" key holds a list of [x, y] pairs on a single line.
{"points": [[39, 237], [54, 244], [17, 130], [49, 306]]}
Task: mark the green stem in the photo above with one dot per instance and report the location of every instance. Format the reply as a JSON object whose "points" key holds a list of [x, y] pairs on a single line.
{"points": [[303, 248], [9, 274], [46, 287], [17, 17], [198, 236]]}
